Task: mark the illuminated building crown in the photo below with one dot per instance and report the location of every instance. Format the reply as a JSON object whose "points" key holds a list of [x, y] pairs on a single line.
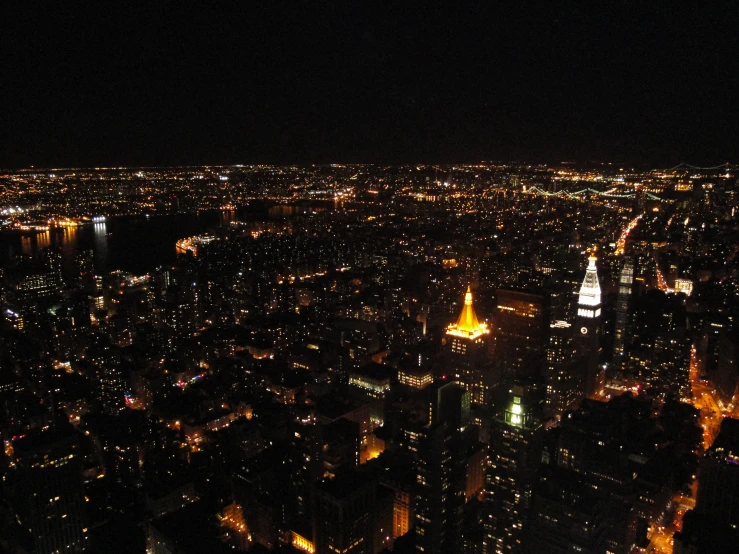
{"points": [[589, 295], [468, 326]]}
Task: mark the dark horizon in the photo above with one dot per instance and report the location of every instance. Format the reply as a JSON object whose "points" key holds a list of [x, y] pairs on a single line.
{"points": [[641, 166], [293, 83]]}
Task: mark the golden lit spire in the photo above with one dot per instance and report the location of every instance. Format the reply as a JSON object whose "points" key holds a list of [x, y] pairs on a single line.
{"points": [[468, 325], [467, 319]]}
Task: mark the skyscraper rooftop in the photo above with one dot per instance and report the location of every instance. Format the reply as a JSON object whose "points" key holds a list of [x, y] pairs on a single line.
{"points": [[589, 296], [468, 326]]}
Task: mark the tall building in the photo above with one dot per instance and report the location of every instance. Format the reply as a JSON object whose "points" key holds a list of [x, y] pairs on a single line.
{"points": [[566, 516], [564, 369], [708, 347], [441, 472], [13, 408], [726, 376], [46, 491], [603, 487], [306, 466], [588, 325], [192, 529], [718, 483], [108, 373], [589, 302], [515, 454], [621, 329], [521, 320], [660, 354], [713, 526], [671, 364], [346, 515], [266, 497], [468, 352], [42, 277]]}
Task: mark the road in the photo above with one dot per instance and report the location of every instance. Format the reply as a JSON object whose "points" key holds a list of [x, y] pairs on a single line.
{"points": [[706, 400], [660, 535], [712, 412], [661, 540], [621, 244]]}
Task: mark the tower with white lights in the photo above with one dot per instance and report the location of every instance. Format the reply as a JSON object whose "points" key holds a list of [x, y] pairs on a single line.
{"points": [[588, 303], [588, 326]]}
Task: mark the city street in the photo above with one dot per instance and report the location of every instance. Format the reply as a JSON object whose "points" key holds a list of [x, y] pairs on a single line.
{"points": [[711, 415]]}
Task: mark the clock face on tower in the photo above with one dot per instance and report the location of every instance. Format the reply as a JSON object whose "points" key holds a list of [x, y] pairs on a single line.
{"points": [[584, 330]]}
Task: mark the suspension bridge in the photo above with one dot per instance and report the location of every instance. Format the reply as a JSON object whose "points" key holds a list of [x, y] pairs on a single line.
{"points": [[580, 193], [727, 166]]}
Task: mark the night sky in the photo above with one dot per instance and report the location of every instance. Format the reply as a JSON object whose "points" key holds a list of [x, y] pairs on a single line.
{"points": [[309, 81]]}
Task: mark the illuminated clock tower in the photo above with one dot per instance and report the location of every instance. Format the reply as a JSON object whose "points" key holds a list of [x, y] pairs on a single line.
{"points": [[588, 324], [468, 352]]}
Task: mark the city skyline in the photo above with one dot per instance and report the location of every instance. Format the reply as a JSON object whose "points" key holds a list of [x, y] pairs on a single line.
{"points": [[298, 277], [369, 358]]}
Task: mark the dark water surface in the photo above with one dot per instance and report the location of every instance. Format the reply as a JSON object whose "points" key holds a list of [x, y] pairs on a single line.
{"points": [[136, 244]]}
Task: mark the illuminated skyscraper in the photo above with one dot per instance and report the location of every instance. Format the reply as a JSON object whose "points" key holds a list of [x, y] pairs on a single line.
{"points": [[588, 327], [467, 352], [622, 310], [564, 369], [589, 305], [440, 471], [111, 384], [515, 454]]}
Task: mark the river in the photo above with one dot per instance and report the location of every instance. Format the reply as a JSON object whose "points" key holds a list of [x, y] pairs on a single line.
{"points": [[138, 244]]}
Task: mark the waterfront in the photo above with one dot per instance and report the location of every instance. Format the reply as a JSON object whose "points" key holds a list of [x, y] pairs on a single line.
{"points": [[131, 243], [138, 244]]}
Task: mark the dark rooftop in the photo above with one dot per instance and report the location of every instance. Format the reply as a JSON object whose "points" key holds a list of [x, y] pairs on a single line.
{"points": [[192, 529]]}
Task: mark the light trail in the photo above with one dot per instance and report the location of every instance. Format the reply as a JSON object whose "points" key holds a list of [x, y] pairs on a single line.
{"points": [[662, 283], [621, 244]]}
